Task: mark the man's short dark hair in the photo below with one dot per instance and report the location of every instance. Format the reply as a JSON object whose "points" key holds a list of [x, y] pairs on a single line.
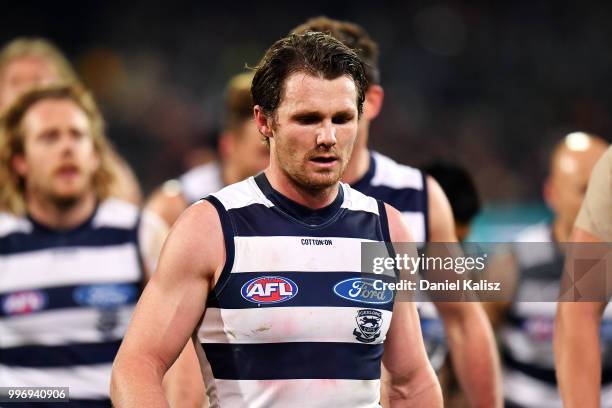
{"points": [[313, 53], [353, 36], [459, 187]]}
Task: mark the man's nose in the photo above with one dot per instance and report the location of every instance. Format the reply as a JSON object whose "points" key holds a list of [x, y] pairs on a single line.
{"points": [[68, 144], [327, 134]]}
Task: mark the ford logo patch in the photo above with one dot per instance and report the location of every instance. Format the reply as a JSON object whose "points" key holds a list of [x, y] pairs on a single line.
{"points": [[269, 289], [105, 296], [362, 290]]}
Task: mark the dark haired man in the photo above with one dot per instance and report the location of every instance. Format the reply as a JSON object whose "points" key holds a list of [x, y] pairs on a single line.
{"points": [[427, 212], [270, 331]]}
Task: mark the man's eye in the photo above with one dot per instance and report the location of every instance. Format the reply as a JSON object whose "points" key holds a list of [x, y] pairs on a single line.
{"points": [[308, 119], [77, 135], [48, 137], [342, 119]]}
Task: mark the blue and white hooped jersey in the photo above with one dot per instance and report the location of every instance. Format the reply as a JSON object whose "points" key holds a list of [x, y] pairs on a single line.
{"points": [[400, 186], [65, 300], [405, 188], [526, 337], [281, 328]]}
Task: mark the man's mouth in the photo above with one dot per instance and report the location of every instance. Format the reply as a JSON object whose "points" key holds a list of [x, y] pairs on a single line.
{"points": [[67, 170], [328, 160]]}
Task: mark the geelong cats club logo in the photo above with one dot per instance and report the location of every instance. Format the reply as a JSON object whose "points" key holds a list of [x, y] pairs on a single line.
{"points": [[369, 322]]}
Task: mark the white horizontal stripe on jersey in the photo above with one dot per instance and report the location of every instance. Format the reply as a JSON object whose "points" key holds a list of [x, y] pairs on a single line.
{"points": [[395, 175], [115, 213], [85, 382], [241, 195], [10, 224], [298, 254], [278, 325], [357, 201], [296, 393], [60, 327], [69, 266]]}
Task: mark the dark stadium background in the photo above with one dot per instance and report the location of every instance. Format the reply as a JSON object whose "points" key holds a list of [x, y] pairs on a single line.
{"points": [[492, 85]]}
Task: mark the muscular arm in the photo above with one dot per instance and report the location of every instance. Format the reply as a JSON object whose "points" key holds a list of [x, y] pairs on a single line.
{"points": [[576, 345], [167, 315], [183, 384], [411, 380], [469, 334]]}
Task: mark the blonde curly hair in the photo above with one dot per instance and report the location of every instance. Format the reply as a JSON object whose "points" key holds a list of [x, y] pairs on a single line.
{"points": [[12, 185]]}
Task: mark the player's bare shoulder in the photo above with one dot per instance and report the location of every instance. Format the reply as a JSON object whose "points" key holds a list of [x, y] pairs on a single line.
{"points": [[195, 243], [398, 229]]}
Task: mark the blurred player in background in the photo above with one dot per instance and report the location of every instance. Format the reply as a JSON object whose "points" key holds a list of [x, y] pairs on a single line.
{"points": [[242, 154], [261, 258], [525, 325], [460, 189], [72, 259], [577, 338], [427, 212], [29, 62]]}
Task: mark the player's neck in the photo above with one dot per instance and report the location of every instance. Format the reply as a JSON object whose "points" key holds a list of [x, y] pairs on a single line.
{"points": [[57, 216], [358, 165], [561, 230], [311, 198]]}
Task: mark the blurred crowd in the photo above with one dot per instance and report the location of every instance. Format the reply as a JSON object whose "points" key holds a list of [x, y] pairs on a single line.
{"points": [[492, 86]]}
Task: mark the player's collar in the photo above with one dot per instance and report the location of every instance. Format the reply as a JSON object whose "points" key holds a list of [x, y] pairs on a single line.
{"points": [[304, 214]]}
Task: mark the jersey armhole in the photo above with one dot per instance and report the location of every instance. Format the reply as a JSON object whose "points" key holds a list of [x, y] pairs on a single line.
{"points": [[384, 221], [386, 233], [228, 239], [142, 278]]}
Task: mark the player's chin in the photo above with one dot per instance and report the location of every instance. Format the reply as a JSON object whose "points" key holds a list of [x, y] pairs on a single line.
{"points": [[68, 193], [325, 179]]}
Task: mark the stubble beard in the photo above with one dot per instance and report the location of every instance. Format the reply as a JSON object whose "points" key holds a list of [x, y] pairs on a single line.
{"points": [[314, 183]]}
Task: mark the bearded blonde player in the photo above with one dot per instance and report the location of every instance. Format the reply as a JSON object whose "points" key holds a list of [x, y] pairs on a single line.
{"points": [[73, 260], [29, 62]]}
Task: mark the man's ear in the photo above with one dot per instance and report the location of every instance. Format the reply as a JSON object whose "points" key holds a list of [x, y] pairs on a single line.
{"points": [[19, 165], [373, 101], [263, 123]]}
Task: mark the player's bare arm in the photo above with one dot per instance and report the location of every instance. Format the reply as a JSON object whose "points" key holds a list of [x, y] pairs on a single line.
{"points": [[411, 379], [576, 344], [469, 333], [167, 314]]}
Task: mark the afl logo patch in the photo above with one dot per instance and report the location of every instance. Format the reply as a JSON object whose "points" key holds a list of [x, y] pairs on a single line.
{"points": [[269, 289], [369, 322], [25, 302], [363, 290]]}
